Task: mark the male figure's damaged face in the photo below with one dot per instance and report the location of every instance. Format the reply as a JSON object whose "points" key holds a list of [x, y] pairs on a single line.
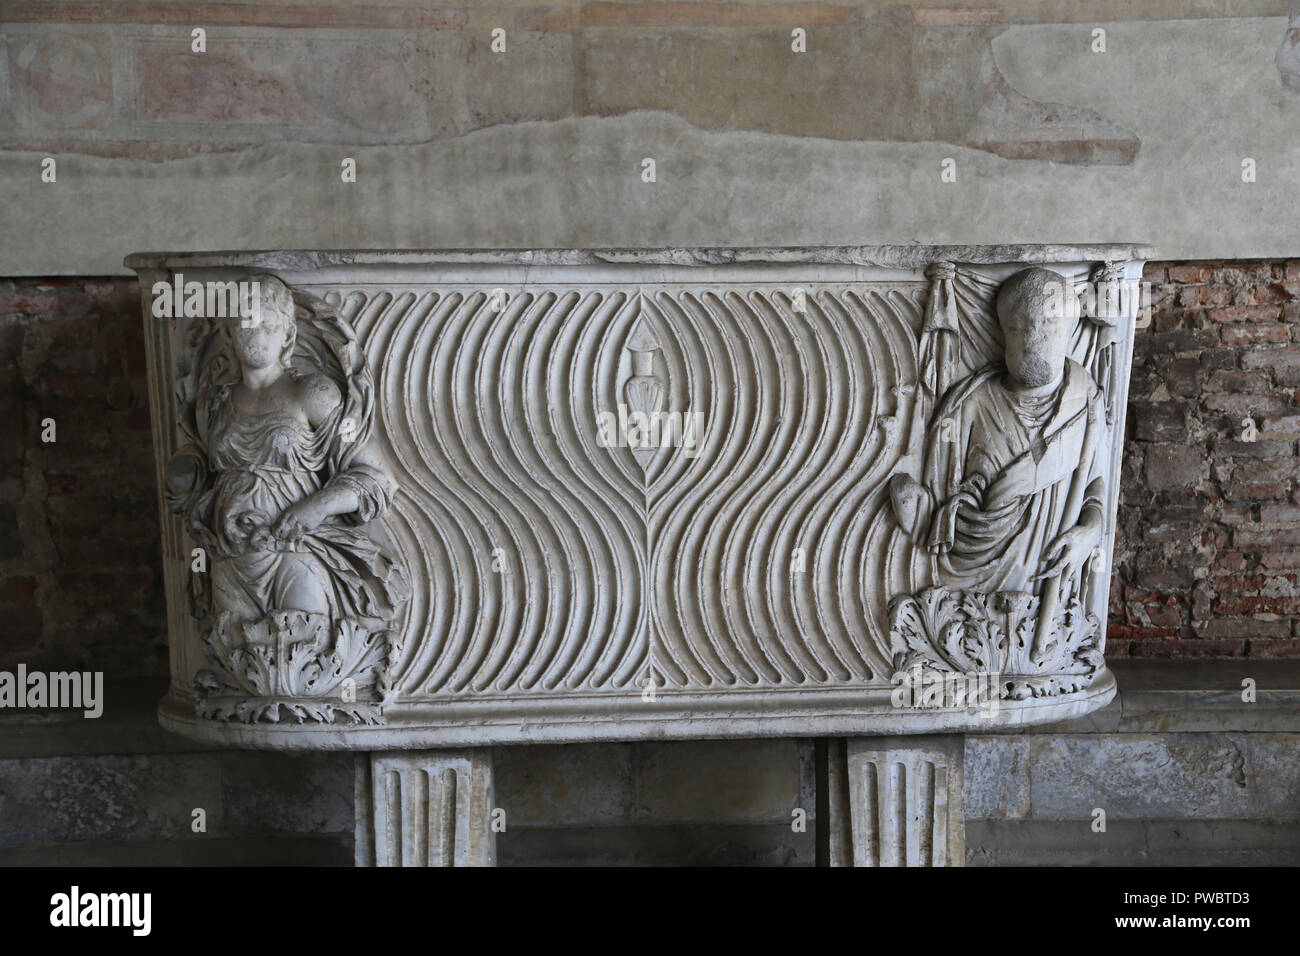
{"points": [[1037, 309]]}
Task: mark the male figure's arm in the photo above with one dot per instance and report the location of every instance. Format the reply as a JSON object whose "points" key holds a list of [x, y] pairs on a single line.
{"points": [[1075, 546]]}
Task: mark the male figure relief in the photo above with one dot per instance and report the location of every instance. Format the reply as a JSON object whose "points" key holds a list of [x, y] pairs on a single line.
{"points": [[1010, 493]]}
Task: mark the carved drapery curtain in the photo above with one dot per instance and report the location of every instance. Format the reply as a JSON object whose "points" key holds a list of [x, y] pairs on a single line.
{"points": [[960, 333]]}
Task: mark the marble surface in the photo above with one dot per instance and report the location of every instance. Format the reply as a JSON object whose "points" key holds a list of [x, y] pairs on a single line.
{"points": [[633, 494]]}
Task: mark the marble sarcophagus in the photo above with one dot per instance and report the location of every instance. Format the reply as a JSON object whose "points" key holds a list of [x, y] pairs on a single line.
{"points": [[462, 499]]}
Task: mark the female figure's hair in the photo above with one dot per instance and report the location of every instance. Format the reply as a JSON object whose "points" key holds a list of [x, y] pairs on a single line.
{"points": [[273, 294]]}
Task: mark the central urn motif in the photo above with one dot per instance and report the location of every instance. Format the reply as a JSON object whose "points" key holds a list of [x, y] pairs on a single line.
{"points": [[462, 499]]}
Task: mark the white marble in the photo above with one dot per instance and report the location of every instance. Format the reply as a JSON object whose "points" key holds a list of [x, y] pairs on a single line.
{"points": [[426, 808], [428, 522], [894, 802]]}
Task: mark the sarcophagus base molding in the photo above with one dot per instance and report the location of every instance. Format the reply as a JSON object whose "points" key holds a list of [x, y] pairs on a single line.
{"points": [[462, 499]]}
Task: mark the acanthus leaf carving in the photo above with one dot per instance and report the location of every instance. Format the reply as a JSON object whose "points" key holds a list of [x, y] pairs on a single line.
{"points": [[993, 634], [295, 662]]}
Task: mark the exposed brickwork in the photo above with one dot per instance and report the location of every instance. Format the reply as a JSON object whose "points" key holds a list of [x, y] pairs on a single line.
{"points": [[1208, 555], [80, 573], [1207, 559]]}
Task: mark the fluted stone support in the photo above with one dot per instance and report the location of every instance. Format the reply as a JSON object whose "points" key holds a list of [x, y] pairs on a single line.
{"points": [[892, 801], [425, 808]]}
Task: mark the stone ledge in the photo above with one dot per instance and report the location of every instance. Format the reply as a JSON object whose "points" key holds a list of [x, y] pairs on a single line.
{"points": [[129, 725], [1193, 697], [259, 850], [657, 845], [1154, 697], [1132, 843]]}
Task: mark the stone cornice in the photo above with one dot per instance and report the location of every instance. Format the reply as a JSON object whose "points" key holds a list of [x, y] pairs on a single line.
{"points": [[888, 256]]}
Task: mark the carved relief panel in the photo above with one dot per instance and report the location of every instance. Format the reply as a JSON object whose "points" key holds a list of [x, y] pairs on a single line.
{"points": [[474, 498]]}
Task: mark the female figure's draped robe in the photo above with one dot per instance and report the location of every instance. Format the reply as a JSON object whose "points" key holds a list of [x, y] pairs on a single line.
{"points": [[262, 464], [1017, 458]]}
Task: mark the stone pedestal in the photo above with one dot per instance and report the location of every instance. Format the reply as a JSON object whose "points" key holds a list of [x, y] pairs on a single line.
{"points": [[425, 808], [891, 801]]}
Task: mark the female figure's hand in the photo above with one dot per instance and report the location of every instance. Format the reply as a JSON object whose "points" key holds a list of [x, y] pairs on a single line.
{"points": [[299, 518]]}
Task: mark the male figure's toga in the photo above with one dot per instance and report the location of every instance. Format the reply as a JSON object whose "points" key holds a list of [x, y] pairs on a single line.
{"points": [[1011, 470]]}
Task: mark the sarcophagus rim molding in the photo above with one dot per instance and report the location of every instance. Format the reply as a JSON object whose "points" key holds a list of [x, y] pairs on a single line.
{"points": [[456, 498]]}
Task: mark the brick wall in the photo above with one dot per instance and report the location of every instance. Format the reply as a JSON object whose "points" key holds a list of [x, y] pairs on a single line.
{"points": [[1207, 558], [80, 573], [1208, 554]]}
